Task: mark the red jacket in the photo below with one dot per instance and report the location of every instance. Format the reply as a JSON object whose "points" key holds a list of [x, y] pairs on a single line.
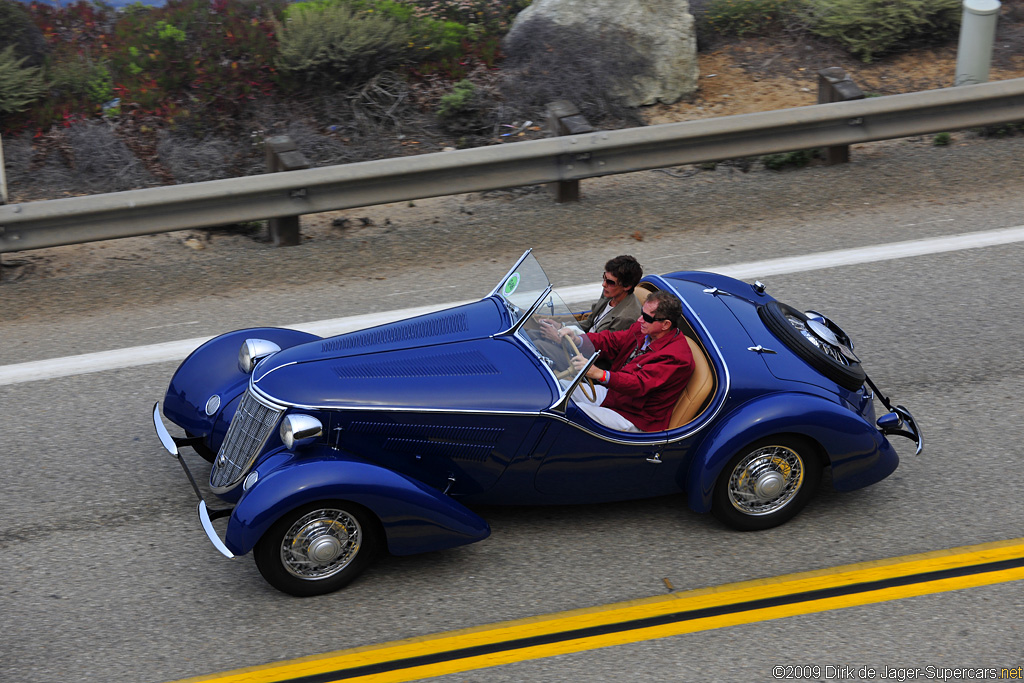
{"points": [[645, 389]]}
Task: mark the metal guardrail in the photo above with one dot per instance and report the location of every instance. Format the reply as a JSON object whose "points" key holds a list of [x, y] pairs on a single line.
{"points": [[57, 222]]}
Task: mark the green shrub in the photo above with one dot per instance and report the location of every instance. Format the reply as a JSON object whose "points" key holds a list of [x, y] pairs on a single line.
{"points": [[797, 159], [333, 43], [941, 140], [18, 30], [20, 85], [457, 101], [81, 78], [467, 110], [748, 17], [193, 58], [868, 28]]}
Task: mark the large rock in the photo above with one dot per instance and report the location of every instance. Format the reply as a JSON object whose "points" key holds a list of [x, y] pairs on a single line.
{"points": [[662, 30]]}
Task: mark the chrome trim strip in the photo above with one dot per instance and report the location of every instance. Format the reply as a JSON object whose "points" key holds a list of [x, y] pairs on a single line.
{"points": [[509, 273], [299, 406], [562, 403], [211, 533], [267, 400], [253, 377], [709, 346], [161, 431]]}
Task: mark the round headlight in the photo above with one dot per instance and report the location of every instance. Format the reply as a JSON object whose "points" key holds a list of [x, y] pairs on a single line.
{"points": [[299, 430], [253, 351]]}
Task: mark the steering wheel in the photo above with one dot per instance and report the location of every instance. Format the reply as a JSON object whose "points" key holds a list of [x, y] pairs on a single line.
{"points": [[575, 352]]}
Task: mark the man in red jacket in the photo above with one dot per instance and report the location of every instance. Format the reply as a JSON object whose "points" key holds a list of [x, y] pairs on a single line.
{"points": [[651, 364]]}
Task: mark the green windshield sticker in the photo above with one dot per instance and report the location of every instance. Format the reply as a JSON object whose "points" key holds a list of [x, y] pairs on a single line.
{"points": [[511, 284]]}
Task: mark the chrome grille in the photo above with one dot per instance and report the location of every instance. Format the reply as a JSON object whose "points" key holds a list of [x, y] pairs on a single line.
{"points": [[250, 428]]}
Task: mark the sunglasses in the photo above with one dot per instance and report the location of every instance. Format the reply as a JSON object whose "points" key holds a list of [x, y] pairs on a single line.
{"points": [[610, 282], [650, 318]]}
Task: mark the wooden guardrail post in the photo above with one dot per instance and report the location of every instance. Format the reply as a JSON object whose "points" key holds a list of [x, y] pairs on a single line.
{"points": [[834, 85], [564, 118], [282, 154]]}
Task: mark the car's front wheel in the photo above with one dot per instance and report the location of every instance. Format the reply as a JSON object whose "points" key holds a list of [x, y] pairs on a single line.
{"points": [[318, 548], [767, 483]]}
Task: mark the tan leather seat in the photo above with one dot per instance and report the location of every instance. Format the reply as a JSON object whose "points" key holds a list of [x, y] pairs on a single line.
{"points": [[697, 390], [642, 291]]}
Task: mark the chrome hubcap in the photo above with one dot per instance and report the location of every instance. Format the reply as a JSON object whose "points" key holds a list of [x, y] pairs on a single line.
{"points": [[766, 480], [321, 544]]}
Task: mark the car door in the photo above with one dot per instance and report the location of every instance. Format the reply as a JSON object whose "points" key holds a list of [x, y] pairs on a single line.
{"points": [[590, 463]]}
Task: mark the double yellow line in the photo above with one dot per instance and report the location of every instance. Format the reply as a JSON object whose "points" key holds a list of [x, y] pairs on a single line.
{"points": [[649, 618]]}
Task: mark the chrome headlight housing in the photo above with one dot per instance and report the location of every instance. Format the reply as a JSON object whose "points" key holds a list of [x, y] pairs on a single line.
{"points": [[300, 430], [253, 351]]}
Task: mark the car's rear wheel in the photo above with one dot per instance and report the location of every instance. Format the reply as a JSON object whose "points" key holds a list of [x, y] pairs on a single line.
{"points": [[318, 548], [767, 483]]}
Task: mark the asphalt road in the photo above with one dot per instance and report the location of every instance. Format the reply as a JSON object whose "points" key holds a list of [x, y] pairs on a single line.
{"points": [[108, 577]]}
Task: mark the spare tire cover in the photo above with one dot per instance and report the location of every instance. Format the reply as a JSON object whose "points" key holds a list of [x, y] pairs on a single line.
{"points": [[790, 325]]}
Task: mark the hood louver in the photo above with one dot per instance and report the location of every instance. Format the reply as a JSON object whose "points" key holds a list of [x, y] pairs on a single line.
{"points": [[416, 330], [456, 364]]}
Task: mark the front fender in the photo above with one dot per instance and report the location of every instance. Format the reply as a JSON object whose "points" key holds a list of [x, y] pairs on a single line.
{"points": [[416, 518], [213, 369], [858, 453]]}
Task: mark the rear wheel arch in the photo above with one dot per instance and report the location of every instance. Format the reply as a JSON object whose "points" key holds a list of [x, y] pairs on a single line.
{"points": [[768, 481]]}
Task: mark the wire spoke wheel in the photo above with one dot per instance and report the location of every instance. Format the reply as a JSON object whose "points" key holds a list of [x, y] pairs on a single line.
{"points": [[766, 480], [321, 544], [318, 548], [767, 483]]}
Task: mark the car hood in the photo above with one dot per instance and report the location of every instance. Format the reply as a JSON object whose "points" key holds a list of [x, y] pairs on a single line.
{"points": [[447, 360]]}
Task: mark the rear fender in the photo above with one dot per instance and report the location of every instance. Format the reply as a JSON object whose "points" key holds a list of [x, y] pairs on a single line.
{"points": [[212, 370], [416, 518], [858, 453]]}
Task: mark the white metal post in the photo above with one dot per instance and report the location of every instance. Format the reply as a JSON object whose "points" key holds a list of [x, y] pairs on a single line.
{"points": [[977, 33]]}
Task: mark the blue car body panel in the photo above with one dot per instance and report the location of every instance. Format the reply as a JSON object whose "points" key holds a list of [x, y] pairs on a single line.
{"points": [[212, 369], [416, 518], [424, 416]]}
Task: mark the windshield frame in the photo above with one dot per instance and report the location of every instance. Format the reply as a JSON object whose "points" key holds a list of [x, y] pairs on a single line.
{"points": [[533, 339]]}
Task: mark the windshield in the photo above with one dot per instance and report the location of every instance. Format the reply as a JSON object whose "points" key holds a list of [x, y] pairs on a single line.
{"points": [[522, 287], [521, 290]]}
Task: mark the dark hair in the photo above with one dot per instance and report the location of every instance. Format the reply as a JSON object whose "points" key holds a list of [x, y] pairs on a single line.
{"points": [[668, 306], [626, 269]]}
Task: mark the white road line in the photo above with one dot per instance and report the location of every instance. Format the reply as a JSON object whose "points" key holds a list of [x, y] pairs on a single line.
{"points": [[177, 350]]}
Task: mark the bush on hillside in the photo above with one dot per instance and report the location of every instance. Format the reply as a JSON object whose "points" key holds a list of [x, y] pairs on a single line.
{"points": [[20, 32], [869, 28], [748, 17], [468, 109], [20, 85], [330, 42]]}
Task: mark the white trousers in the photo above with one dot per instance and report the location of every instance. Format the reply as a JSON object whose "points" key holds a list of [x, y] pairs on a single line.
{"points": [[605, 416]]}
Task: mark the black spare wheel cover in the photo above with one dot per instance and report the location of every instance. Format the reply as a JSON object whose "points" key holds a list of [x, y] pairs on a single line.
{"points": [[790, 325]]}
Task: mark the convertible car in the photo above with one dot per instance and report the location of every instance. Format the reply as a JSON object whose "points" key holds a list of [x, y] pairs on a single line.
{"points": [[327, 451]]}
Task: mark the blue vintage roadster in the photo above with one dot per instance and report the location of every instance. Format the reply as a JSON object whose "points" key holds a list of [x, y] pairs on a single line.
{"points": [[325, 452]]}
